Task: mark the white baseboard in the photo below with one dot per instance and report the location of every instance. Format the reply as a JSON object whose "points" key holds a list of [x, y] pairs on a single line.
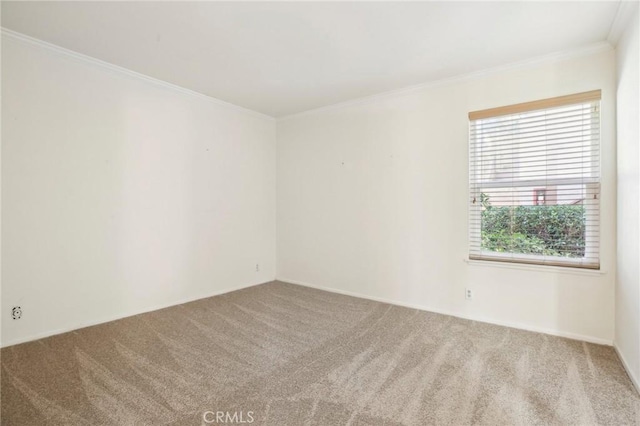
{"points": [[50, 333], [521, 326], [625, 364], [338, 291]]}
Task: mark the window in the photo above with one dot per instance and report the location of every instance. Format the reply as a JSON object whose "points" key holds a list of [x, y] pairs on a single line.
{"points": [[534, 179], [539, 196]]}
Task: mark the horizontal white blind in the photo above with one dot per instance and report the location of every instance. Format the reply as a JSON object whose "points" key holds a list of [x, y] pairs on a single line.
{"points": [[535, 183]]}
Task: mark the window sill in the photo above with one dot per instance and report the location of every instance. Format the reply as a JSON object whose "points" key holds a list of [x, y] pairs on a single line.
{"points": [[536, 268]]}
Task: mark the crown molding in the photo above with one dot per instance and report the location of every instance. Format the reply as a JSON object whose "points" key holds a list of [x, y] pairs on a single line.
{"points": [[625, 11], [591, 49], [23, 38], [619, 22]]}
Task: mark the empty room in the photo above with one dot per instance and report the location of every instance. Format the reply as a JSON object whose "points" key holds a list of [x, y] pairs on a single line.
{"points": [[320, 213]]}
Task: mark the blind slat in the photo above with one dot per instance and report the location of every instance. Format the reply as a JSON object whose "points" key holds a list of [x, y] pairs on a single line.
{"points": [[524, 139], [566, 126], [533, 121]]}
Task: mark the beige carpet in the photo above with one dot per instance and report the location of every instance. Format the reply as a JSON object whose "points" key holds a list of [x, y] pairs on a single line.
{"points": [[281, 354]]}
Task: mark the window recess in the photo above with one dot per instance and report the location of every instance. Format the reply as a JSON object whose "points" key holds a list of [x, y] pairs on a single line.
{"points": [[534, 182]]}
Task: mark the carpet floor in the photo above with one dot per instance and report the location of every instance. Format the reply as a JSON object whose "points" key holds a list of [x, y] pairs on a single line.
{"points": [[281, 354]]}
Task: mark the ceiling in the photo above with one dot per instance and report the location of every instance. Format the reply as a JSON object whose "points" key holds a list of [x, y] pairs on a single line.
{"points": [[281, 58]]}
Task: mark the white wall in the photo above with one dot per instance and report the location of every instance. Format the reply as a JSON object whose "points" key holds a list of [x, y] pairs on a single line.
{"points": [[627, 336], [120, 195], [372, 200]]}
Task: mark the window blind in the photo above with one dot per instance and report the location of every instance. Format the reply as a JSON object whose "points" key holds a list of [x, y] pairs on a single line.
{"points": [[534, 182]]}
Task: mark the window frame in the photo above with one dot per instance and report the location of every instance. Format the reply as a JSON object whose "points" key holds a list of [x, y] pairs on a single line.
{"points": [[592, 187]]}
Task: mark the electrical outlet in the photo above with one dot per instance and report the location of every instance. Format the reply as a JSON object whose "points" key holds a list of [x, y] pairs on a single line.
{"points": [[257, 267], [468, 294], [16, 312]]}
